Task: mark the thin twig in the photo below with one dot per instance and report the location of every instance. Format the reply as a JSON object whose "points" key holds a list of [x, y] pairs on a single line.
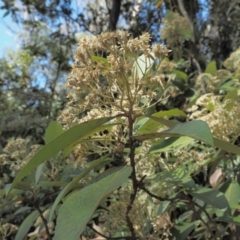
{"points": [[152, 194], [44, 221]]}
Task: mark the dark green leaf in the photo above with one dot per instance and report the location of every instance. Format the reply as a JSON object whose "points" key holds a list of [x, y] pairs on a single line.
{"points": [[181, 231]]}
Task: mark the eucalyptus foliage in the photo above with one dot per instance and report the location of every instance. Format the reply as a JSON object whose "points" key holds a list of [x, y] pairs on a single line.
{"points": [[114, 166]]}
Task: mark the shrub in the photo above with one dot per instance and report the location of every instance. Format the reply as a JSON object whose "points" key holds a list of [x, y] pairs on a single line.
{"points": [[116, 167]]}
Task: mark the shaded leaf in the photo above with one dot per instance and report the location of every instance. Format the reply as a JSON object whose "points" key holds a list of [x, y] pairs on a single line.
{"points": [[178, 176], [38, 173], [26, 225], [181, 231], [213, 197], [229, 147], [170, 144], [163, 207]]}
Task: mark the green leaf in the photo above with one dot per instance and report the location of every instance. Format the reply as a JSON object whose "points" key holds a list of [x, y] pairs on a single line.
{"points": [[184, 216], [74, 134], [78, 208], [180, 74], [211, 196], [26, 225], [149, 125], [170, 144], [178, 176], [232, 96], [163, 207], [52, 184], [13, 193], [53, 130], [38, 173], [229, 147], [181, 231], [70, 185], [186, 32], [211, 68], [232, 220], [233, 193], [141, 66], [196, 129], [99, 59], [22, 209]]}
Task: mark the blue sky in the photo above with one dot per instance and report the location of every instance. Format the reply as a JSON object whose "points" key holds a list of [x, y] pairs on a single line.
{"points": [[8, 38]]}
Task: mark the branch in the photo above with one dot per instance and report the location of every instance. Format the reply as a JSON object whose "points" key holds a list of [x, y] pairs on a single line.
{"points": [[114, 14], [133, 176], [185, 14], [141, 186], [44, 220]]}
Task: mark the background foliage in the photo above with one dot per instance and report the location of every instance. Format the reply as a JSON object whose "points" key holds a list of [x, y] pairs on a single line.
{"points": [[186, 184]]}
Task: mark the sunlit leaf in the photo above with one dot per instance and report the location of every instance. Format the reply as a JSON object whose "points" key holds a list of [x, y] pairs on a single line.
{"points": [[211, 68], [233, 193], [180, 74], [149, 125], [78, 208], [70, 185], [99, 59], [196, 129], [53, 130], [142, 65], [62, 141]]}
